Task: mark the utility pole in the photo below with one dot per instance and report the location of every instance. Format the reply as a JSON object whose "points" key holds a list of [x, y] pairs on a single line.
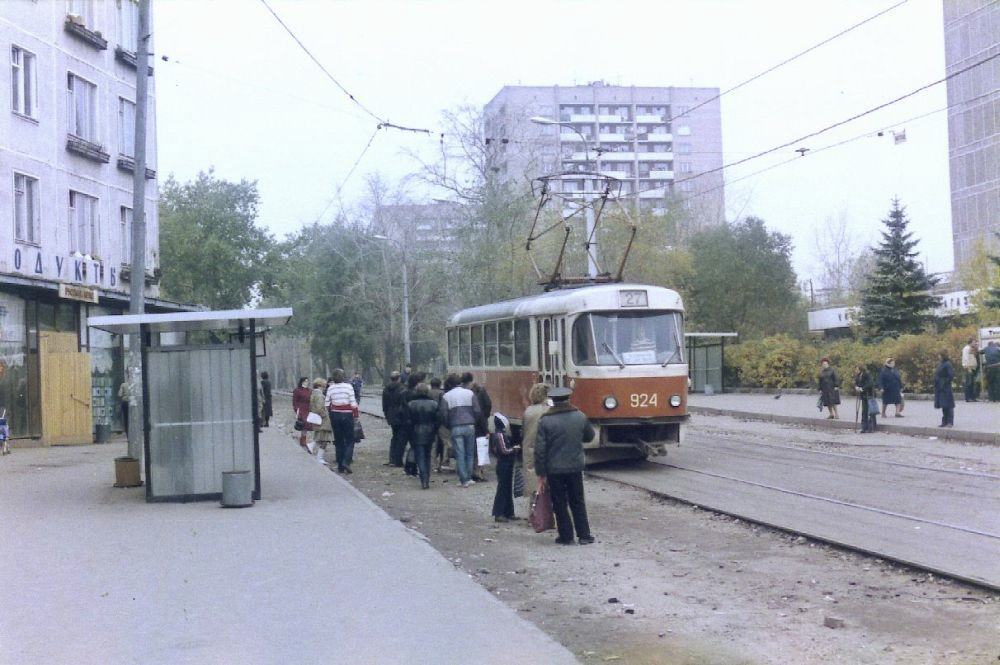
{"points": [[137, 284]]}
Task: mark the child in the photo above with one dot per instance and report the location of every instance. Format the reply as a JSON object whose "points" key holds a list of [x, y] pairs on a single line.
{"points": [[506, 453], [4, 434]]}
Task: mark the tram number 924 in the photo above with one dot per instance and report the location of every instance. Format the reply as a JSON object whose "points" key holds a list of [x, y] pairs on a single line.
{"points": [[642, 400]]}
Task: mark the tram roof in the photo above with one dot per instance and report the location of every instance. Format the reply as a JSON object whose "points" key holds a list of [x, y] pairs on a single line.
{"points": [[559, 301]]}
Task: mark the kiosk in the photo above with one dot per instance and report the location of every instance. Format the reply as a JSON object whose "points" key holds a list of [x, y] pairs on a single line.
{"points": [[199, 397]]}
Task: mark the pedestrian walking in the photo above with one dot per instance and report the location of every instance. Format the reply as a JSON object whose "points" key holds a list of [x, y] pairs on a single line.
{"points": [[408, 394], [891, 384], [459, 410], [357, 383], [423, 417], [392, 402], [970, 365], [506, 453], [482, 422], [322, 433], [266, 403], [123, 397], [864, 387], [538, 396], [944, 399], [344, 413], [559, 463], [829, 388], [300, 405], [435, 394]]}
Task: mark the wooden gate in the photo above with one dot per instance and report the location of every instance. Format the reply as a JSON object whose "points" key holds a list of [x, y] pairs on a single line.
{"points": [[65, 390]]}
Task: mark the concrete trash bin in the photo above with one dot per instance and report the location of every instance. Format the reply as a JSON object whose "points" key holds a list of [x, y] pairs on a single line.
{"points": [[127, 472], [237, 489]]}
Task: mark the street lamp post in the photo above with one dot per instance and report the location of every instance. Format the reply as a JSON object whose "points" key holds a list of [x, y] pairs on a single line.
{"points": [[406, 298], [588, 191]]}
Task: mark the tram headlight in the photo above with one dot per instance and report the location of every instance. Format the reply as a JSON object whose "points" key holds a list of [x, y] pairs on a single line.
{"points": [[675, 401], [610, 403]]}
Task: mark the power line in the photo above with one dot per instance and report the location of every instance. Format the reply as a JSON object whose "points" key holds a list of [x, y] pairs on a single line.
{"points": [[842, 122], [347, 177], [788, 60]]}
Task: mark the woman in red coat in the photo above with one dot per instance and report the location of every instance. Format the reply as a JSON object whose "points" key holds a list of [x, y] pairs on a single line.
{"points": [[300, 404]]}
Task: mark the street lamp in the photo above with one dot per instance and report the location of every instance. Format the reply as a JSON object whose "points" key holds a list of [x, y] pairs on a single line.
{"points": [[588, 190], [406, 298]]}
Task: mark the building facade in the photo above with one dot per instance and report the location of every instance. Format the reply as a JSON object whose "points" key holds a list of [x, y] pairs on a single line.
{"points": [[971, 35], [664, 144], [68, 86]]}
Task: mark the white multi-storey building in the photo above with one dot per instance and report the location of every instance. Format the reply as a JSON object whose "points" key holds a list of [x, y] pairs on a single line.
{"points": [[972, 36], [663, 143], [66, 177]]}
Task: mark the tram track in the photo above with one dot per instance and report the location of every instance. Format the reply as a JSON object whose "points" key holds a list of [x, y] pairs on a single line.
{"points": [[889, 509]]}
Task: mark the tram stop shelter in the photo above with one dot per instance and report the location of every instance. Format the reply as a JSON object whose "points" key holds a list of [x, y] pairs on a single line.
{"points": [[706, 360], [199, 397]]}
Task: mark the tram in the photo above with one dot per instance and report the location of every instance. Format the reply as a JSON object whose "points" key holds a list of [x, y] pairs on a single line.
{"points": [[620, 347]]}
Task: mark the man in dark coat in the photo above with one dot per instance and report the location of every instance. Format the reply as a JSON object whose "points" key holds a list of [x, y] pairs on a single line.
{"points": [[423, 417], [559, 460], [944, 398], [395, 415]]}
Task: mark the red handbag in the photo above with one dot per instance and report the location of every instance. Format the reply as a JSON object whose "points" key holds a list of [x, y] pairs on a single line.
{"points": [[542, 518]]}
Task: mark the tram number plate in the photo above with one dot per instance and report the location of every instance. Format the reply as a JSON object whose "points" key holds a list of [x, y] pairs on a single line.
{"points": [[642, 400], [633, 298]]}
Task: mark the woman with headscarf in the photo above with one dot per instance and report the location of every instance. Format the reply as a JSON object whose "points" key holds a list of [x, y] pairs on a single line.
{"points": [[322, 433], [506, 453], [944, 399], [891, 384], [538, 396]]}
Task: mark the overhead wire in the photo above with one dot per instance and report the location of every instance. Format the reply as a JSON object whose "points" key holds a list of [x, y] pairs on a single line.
{"points": [[788, 60], [347, 177]]}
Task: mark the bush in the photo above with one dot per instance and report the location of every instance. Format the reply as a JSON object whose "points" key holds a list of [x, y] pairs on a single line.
{"points": [[782, 362]]}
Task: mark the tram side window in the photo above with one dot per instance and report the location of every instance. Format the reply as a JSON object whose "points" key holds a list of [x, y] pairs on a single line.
{"points": [[453, 347], [522, 342], [490, 334], [464, 346], [477, 346], [505, 332]]}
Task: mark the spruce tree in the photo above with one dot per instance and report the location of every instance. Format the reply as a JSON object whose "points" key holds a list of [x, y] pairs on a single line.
{"points": [[897, 300]]}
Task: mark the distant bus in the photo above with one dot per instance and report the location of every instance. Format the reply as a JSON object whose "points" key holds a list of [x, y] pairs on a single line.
{"points": [[620, 347]]}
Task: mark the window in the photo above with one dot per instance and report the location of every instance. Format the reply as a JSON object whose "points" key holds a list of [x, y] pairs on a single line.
{"points": [[126, 127], [684, 148], [477, 346], [635, 338], [125, 220], [26, 220], [491, 345], [128, 25], [82, 108], [84, 224], [685, 167], [24, 97], [464, 347], [522, 342], [505, 335], [82, 8]]}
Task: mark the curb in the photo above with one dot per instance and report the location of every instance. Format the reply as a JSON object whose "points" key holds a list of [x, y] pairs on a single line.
{"points": [[949, 434]]}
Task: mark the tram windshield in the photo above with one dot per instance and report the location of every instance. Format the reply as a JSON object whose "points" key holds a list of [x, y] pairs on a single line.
{"points": [[632, 338]]}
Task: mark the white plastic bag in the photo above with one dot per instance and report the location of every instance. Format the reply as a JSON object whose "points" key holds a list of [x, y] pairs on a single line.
{"points": [[483, 450], [314, 418]]}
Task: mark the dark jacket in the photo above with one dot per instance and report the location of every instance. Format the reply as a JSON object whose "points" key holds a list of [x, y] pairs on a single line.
{"points": [[828, 384], [891, 384], [423, 417], [864, 381], [559, 442], [485, 409], [392, 402], [943, 397]]}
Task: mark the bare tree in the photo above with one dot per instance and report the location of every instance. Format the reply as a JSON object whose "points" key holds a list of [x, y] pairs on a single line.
{"points": [[836, 253]]}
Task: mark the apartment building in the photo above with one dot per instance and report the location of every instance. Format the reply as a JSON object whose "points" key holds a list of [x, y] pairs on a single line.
{"points": [[66, 180], [664, 144], [972, 35]]}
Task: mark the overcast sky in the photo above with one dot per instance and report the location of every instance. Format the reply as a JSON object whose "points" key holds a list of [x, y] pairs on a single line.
{"points": [[238, 94]]}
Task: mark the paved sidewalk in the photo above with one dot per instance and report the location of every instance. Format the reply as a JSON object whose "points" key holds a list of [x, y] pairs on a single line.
{"points": [[312, 573], [974, 421]]}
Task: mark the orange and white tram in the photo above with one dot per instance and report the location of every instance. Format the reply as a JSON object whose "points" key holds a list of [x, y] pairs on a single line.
{"points": [[620, 347]]}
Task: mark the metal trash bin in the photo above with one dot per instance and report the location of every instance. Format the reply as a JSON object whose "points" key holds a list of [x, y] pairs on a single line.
{"points": [[102, 433], [237, 489]]}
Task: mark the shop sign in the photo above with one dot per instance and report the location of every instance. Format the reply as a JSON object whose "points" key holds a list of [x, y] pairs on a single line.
{"points": [[35, 262], [75, 292]]}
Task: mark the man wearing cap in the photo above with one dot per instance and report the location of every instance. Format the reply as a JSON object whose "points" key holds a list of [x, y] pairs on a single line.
{"points": [[559, 461]]}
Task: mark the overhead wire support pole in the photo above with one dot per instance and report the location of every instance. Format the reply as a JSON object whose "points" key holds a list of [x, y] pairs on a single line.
{"points": [[137, 283]]}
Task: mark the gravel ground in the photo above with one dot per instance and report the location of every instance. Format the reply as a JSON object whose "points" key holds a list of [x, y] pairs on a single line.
{"points": [[668, 583]]}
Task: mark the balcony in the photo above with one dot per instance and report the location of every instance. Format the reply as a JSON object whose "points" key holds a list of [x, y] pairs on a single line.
{"points": [[662, 175], [589, 118], [618, 157], [647, 117], [95, 152], [127, 164], [74, 26], [657, 193], [660, 138], [612, 118]]}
